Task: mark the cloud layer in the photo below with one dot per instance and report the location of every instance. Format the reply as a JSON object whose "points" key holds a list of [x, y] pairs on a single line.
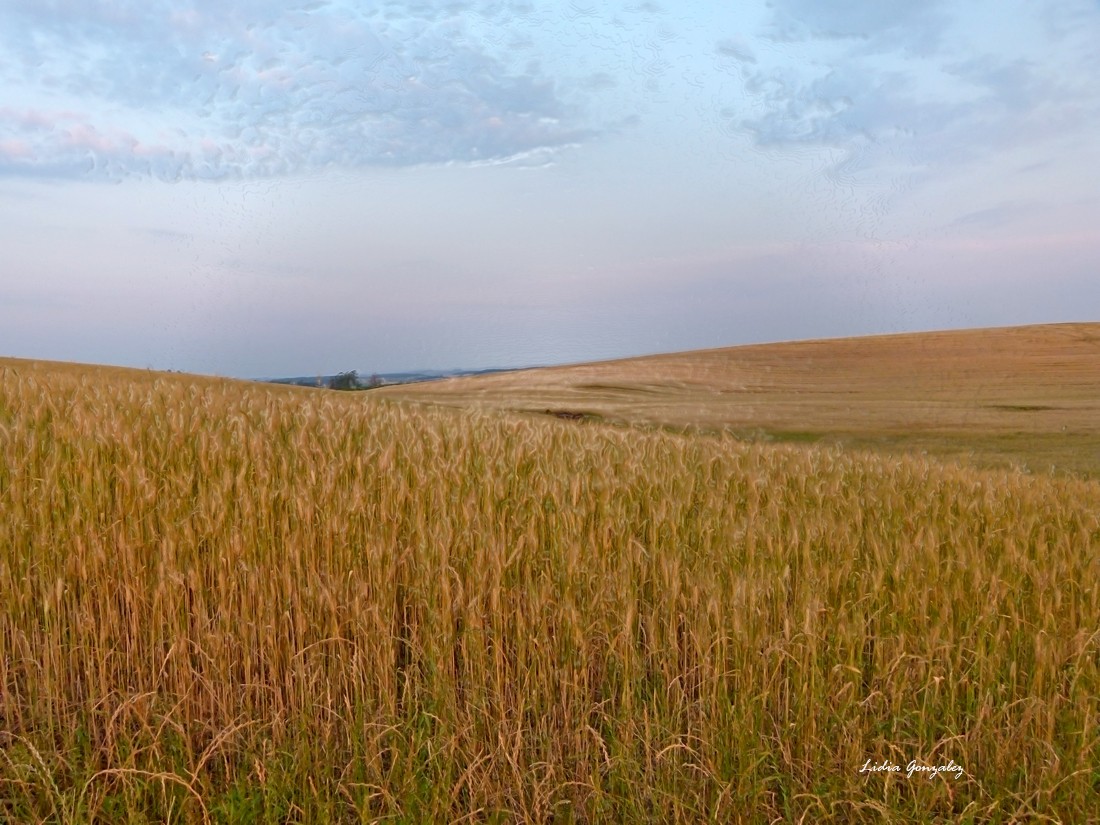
{"points": [[208, 90], [257, 88], [920, 84]]}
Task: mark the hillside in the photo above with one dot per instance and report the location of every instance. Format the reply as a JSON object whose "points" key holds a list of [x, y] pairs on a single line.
{"points": [[229, 602], [1027, 396]]}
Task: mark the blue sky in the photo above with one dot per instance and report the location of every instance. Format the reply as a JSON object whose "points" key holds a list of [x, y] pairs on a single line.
{"points": [[279, 188]]}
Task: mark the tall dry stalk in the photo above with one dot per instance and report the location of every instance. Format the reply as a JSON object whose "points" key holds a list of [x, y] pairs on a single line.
{"points": [[239, 603]]}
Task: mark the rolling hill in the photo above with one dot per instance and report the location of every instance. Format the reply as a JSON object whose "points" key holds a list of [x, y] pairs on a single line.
{"points": [[1025, 396], [228, 602]]}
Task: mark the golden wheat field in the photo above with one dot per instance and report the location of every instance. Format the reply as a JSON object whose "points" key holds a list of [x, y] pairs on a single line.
{"points": [[225, 602], [1026, 396]]}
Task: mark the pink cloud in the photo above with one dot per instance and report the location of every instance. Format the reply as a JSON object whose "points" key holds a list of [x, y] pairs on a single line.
{"points": [[83, 136], [15, 149], [36, 119], [144, 150]]}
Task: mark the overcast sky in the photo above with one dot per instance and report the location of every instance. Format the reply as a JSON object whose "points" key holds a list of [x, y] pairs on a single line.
{"points": [[263, 188]]}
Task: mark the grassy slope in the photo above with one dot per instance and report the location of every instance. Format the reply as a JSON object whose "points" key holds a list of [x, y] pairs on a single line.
{"points": [[1027, 396], [538, 619]]}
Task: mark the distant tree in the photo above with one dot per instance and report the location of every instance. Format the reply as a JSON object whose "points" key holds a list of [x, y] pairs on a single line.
{"points": [[375, 381], [345, 381]]}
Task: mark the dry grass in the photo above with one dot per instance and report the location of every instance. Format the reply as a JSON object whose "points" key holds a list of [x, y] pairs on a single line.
{"points": [[1024, 396], [236, 603]]}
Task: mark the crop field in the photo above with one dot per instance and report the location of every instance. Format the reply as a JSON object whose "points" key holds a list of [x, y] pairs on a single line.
{"points": [[1026, 397], [230, 602]]}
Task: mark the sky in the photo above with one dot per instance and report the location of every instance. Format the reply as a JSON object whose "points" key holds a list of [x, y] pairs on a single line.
{"points": [[272, 188]]}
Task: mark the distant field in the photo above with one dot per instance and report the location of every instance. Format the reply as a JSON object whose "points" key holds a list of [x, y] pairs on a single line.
{"points": [[235, 603], [1023, 396]]}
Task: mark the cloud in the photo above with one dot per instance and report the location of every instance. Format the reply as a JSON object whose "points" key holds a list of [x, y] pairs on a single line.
{"points": [[892, 83], [1012, 84], [736, 49], [210, 90], [994, 217], [882, 25]]}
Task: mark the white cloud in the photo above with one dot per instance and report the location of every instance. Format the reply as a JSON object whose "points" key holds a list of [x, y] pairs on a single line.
{"points": [[899, 82], [212, 91], [737, 49], [871, 26]]}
